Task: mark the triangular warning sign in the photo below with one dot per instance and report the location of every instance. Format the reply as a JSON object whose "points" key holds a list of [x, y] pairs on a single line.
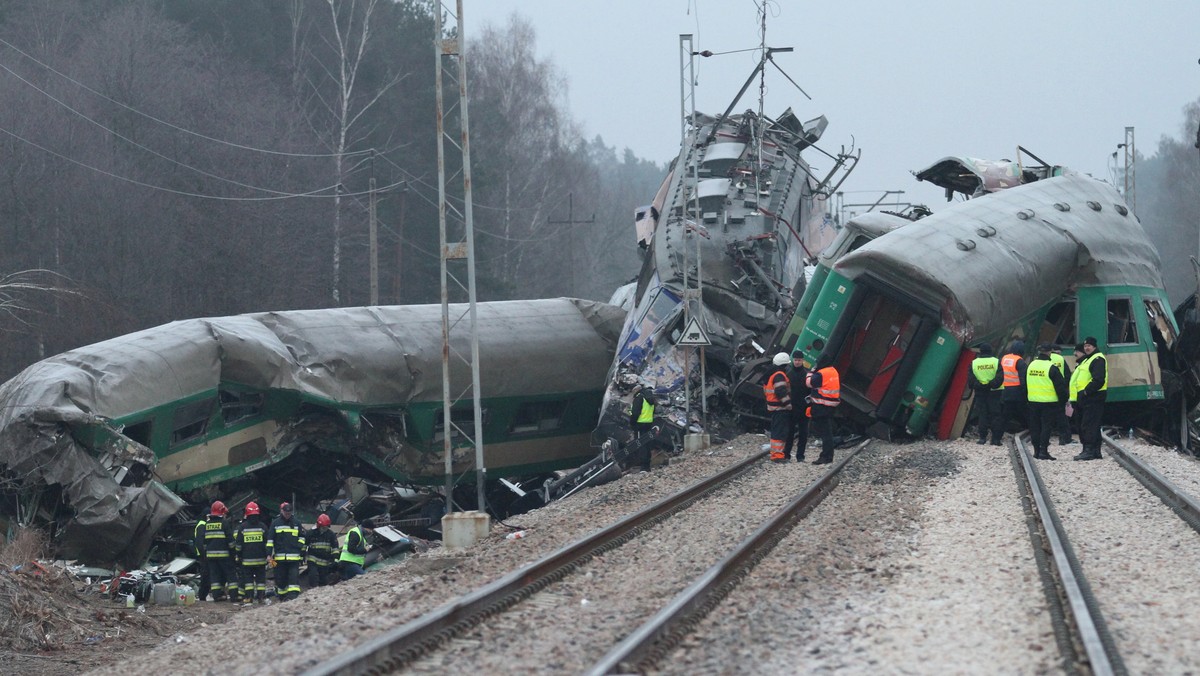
{"points": [[693, 334]]}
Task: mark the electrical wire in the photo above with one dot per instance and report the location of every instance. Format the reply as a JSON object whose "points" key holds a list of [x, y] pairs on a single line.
{"points": [[135, 111]]}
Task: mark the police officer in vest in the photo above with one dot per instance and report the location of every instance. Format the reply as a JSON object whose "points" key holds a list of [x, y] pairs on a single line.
{"points": [[1091, 390], [826, 393], [778, 391], [641, 420], [1012, 367], [797, 376], [1047, 391], [1064, 421], [987, 381]]}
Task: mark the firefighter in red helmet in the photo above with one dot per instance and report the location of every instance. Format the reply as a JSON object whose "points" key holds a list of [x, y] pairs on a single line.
{"points": [[323, 551], [218, 536], [250, 544]]}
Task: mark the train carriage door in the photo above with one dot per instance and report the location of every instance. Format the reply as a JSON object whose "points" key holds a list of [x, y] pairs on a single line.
{"points": [[875, 347]]}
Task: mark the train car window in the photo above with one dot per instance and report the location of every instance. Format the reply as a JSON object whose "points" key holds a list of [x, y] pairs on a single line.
{"points": [[462, 422], [190, 421], [538, 416], [1059, 328], [237, 405], [139, 432], [1122, 328]]}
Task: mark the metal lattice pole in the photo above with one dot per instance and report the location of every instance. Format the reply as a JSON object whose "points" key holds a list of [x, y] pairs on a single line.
{"points": [[451, 64]]}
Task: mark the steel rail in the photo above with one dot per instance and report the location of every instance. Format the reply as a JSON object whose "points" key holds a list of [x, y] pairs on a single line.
{"points": [[393, 649], [1180, 502], [1084, 612], [650, 642]]}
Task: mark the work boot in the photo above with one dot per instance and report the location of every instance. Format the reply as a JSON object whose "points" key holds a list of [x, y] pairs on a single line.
{"points": [[823, 459], [1066, 442], [997, 442], [1088, 454], [800, 458]]}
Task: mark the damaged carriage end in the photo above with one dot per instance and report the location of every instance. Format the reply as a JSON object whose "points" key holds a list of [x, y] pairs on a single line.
{"points": [[724, 247]]}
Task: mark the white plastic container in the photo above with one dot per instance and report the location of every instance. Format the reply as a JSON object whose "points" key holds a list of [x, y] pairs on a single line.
{"points": [[163, 593]]}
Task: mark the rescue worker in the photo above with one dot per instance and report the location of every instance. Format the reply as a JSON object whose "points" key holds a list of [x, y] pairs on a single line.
{"points": [[323, 551], [1012, 366], [250, 544], [355, 553], [198, 549], [218, 536], [797, 375], [641, 421], [987, 382], [1091, 392], [825, 395], [1064, 422], [778, 391], [285, 550], [1047, 391]]}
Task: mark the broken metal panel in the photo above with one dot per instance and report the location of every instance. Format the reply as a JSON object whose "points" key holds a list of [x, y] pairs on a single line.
{"points": [[971, 176], [990, 261]]}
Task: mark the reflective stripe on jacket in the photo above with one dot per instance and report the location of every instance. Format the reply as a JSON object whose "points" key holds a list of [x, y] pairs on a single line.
{"points": [[777, 382], [285, 540], [250, 542], [1037, 381], [830, 391], [1008, 364], [322, 547], [217, 535]]}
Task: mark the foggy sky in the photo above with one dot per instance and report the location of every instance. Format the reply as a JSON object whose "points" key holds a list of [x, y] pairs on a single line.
{"points": [[907, 82]]}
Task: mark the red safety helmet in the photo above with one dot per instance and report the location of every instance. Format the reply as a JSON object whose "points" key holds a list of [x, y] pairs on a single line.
{"points": [[219, 509], [251, 508], [323, 520]]}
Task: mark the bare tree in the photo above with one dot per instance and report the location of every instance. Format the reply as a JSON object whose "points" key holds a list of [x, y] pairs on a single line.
{"points": [[331, 86]]}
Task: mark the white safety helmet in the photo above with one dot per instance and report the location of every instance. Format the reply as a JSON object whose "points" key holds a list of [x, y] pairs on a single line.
{"points": [[782, 359]]}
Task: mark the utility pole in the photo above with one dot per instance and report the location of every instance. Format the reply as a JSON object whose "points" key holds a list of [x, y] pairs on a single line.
{"points": [[398, 276], [451, 65], [571, 222]]}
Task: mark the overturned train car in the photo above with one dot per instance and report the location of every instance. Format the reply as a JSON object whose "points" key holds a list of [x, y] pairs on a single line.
{"points": [[1044, 254], [725, 247], [104, 442]]}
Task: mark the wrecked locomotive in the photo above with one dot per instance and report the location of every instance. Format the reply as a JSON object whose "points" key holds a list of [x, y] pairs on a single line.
{"points": [[106, 441], [725, 245], [1036, 252]]}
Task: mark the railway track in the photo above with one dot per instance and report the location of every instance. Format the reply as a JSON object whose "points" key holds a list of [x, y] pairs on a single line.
{"points": [[502, 615], [1095, 618]]}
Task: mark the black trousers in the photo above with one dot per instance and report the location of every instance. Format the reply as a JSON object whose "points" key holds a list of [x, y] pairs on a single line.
{"points": [[1043, 420], [318, 576], [222, 575], [1016, 410], [254, 581], [799, 434], [287, 579], [990, 412], [822, 426], [1090, 414]]}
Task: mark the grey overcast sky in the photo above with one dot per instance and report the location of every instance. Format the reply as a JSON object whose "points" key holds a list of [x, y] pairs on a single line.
{"points": [[908, 82]]}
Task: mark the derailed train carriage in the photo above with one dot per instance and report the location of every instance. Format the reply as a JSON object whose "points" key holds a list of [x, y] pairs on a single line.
{"points": [[725, 246], [1038, 252], [104, 442]]}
